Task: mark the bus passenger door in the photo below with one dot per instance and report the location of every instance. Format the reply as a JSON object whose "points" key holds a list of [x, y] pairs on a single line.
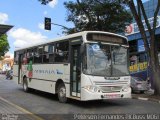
{"points": [[75, 71], [19, 68]]}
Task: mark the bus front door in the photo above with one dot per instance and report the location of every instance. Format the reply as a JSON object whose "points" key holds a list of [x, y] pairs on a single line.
{"points": [[19, 68], [75, 71]]}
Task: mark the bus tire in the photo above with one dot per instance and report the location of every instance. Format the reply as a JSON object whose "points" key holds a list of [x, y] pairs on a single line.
{"points": [[62, 93], [25, 85]]}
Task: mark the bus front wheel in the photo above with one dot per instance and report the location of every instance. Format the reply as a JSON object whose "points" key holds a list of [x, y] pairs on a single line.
{"points": [[62, 93], [25, 85]]}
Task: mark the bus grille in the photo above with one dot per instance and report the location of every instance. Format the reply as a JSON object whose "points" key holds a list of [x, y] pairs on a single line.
{"points": [[108, 89]]}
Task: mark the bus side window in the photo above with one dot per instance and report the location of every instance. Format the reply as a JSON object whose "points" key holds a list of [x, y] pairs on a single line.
{"points": [[24, 61], [29, 55], [62, 49], [46, 54], [51, 53], [38, 51], [46, 58]]}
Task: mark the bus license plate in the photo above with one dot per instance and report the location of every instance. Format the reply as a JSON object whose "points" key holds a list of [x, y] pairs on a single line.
{"points": [[112, 96]]}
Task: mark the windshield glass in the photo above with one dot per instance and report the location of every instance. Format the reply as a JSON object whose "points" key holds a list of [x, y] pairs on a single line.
{"points": [[106, 60], [119, 61]]}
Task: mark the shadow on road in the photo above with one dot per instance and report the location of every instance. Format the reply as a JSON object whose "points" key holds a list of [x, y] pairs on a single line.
{"points": [[42, 94], [98, 103], [81, 104]]}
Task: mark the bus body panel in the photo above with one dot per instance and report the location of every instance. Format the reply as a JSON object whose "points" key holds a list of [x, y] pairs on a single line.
{"points": [[44, 76], [86, 95], [104, 84]]}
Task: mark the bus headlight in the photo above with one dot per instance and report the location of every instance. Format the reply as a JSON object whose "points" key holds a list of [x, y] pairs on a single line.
{"points": [[92, 89]]}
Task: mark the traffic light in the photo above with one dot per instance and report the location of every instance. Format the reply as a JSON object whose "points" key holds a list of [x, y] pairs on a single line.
{"points": [[47, 23]]}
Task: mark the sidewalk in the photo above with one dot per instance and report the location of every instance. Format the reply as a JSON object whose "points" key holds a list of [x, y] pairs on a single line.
{"points": [[10, 111], [148, 95]]}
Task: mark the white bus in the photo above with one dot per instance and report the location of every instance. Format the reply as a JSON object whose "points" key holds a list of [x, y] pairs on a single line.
{"points": [[89, 65]]}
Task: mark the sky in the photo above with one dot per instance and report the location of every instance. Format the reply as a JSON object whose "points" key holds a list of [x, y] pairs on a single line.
{"points": [[27, 17]]}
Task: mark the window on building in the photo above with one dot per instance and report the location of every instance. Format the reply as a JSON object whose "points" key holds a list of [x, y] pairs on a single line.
{"points": [[140, 46], [142, 57], [133, 46]]}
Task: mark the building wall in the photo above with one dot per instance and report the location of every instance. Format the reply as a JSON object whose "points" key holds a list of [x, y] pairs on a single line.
{"points": [[138, 56], [6, 64]]}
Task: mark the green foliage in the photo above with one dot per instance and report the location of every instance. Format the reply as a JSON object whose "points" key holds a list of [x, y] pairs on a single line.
{"points": [[103, 15], [4, 45]]}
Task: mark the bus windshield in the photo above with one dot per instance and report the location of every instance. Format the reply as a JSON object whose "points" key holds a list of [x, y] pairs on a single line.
{"points": [[106, 60]]}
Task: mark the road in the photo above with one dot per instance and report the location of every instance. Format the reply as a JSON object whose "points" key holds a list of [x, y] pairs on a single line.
{"points": [[46, 105]]}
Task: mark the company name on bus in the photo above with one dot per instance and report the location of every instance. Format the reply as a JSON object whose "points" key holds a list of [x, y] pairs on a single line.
{"points": [[133, 28], [57, 71], [44, 71]]}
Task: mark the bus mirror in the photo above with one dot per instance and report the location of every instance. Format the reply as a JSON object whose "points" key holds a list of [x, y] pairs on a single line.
{"points": [[82, 49]]}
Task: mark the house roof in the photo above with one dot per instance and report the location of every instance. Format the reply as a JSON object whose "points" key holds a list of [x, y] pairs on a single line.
{"points": [[4, 28]]}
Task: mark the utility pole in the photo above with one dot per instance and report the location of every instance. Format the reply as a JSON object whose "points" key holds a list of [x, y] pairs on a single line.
{"points": [[47, 24]]}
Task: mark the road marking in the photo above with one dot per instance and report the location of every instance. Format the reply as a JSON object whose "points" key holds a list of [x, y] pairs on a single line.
{"points": [[22, 109], [140, 98]]}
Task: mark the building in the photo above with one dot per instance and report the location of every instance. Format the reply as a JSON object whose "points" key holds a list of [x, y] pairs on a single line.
{"points": [[138, 57], [4, 28], [5, 61]]}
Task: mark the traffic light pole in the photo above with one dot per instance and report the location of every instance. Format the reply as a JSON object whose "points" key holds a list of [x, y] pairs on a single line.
{"points": [[47, 24], [60, 25]]}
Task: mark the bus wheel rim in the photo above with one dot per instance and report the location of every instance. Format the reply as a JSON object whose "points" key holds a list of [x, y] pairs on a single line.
{"points": [[62, 92]]}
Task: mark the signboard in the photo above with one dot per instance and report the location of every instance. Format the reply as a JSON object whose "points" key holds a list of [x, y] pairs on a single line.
{"points": [[138, 67], [140, 46], [100, 37], [133, 28]]}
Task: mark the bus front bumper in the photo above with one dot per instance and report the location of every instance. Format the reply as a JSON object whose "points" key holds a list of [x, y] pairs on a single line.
{"points": [[87, 95]]}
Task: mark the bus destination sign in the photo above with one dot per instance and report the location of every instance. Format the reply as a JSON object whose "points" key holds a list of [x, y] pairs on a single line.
{"points": [[106, 38]]}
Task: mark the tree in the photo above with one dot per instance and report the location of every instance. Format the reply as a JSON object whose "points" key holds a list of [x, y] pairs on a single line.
{"points": [[103, 15], [4, 45], [152, 49]]}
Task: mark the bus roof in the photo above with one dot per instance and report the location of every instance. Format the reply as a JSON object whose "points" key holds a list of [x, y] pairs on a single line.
{"points": [[83, 33]]}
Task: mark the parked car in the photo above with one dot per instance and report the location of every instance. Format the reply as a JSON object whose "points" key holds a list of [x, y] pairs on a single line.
{"points": [[9, 74], [139, 85]]}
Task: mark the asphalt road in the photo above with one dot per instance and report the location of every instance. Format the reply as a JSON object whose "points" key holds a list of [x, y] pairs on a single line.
{"points": [[44, 104]]}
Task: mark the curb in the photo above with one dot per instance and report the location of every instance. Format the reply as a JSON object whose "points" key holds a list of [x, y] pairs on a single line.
{"points": [[146, 99]]}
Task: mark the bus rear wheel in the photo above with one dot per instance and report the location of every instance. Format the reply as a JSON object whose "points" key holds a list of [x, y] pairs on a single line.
{"points": [[25, 85], [62, 93]]}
